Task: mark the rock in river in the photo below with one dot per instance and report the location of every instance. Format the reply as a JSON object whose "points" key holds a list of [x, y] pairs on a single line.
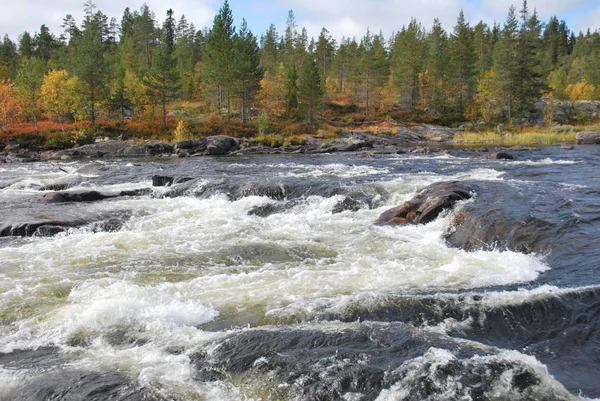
{"points": [[427, 204]]}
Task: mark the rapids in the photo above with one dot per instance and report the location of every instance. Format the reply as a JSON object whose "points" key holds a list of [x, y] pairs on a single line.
{"points": [[265, 278]]}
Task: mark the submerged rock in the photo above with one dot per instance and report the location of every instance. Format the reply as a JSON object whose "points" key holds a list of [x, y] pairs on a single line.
{"points": [[497, 156], [488, 222], [167, 181], [91, 196], [370, 360], [76, 196], [84, 385], [40, 228], [475, 228], [427, 204]]}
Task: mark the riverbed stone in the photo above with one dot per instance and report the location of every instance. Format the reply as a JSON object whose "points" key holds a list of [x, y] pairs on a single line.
{"points": [[427, 204]]}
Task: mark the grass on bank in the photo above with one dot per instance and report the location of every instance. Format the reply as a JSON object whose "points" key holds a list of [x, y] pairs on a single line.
{"points": [[524, 138]]}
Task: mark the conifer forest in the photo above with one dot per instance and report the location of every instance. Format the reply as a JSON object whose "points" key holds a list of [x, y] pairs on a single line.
{"points": [[154, 72]]}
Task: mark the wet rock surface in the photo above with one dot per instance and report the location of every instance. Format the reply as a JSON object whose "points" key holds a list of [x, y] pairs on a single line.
{"points": [[427, 204], [42, 228], [91, 196], [487, 222], [111, 149], [490, 222], [54, 380], [370, 359], [167, 181]]}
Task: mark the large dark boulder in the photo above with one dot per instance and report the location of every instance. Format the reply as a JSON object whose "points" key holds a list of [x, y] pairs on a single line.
{"points": [[346, 145], [588, 138], [427, 204], [408, 135], [221, 145], [109, 149], [192, 146], [148, 148]]}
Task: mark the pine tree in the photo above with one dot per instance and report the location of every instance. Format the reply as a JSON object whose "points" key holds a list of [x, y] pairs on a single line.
{"points": [[463, 63], [483, 45], [408, 54], [324, 52], [28, 83], [163, 78], [8, 58], [517, 63], [44, 43], [529, 76], [89, 59], [506, 64], [269, 53], [374, 66], [246, 71], [310, 89], [437, 66], [291, 93], [25, 45], [218, 55]]}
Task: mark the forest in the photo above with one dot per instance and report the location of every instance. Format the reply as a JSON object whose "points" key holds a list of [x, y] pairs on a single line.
{"points": [[142, 77]]}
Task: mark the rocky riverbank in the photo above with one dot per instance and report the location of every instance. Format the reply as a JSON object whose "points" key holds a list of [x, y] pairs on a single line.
{"points": [[424, 138], [416, 139]]}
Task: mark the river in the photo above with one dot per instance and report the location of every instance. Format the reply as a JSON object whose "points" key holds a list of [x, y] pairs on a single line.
{"points": [[264, 278]]}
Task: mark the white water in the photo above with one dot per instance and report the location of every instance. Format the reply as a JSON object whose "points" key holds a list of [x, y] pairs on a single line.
{"points": [[180, 263]]}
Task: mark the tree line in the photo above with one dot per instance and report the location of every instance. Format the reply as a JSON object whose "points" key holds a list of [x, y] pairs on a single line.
{"points": [[135, 68]]}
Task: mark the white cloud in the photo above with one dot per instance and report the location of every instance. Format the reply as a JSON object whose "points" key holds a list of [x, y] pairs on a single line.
{"points": [[348, 18], [545, 8], [591, 20], [28, 15], [351, 18]]}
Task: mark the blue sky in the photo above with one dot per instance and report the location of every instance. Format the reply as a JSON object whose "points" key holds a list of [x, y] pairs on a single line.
{"points": [[340, 17]]}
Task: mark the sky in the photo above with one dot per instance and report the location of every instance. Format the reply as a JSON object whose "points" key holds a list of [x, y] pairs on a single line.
{"points": [[349, 18]]}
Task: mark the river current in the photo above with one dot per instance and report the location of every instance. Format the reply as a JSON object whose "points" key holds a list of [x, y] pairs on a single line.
{"points": [[265, 278]]}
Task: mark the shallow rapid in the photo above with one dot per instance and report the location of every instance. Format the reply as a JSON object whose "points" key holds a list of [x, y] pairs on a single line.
{"points": [[265, 278]]}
